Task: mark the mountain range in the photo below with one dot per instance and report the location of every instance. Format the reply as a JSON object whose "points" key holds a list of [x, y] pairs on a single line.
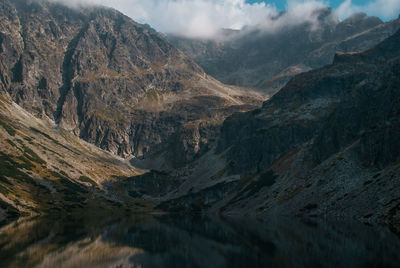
{"points": [[100, 113], [264, 58]]}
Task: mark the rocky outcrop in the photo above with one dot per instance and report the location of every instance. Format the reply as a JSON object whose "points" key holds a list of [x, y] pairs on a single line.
{"points": [[267, 60], [109, 80]]}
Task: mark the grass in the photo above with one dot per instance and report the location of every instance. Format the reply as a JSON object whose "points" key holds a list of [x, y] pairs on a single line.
{"points": [[31, 155], [12, 213], [62, 162], [28, 139], [87, 180], [48, 137], [12, 169], [25, 163], [58, 175], [11, 143], [3, 190], [10, 130], [48, 149], [72, 187]]}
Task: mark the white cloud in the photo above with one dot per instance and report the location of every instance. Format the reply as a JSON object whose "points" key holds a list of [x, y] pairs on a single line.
{"points": [[386, 9], [297, 12], [203, 18]]}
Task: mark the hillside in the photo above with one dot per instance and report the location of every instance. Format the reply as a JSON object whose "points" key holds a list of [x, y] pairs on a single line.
{"points": [[47, 170]]}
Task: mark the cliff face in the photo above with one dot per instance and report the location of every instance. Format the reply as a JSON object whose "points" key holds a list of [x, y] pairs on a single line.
{"points": [[268, 59], [109, 80], [326, 144]]}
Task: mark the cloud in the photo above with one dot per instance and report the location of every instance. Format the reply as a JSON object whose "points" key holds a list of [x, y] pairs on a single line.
{"points": [[296, 12], [203, 18], [192, 18], [385, 9]]}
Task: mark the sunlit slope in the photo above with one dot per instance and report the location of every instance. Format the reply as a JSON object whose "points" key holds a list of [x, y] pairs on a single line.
{"points": [[44, 169]]}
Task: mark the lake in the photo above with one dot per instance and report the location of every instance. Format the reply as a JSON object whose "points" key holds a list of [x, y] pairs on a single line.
{"points": [[195, 241]]}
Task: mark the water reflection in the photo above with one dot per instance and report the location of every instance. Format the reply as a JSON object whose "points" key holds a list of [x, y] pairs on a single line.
{"points": [[167, 241]]}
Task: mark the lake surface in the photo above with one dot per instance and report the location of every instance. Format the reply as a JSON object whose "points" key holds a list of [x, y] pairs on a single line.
{"points": [[177, 241]]}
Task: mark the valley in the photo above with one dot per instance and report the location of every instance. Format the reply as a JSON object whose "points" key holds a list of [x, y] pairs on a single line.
{"points": [[101, 115]]}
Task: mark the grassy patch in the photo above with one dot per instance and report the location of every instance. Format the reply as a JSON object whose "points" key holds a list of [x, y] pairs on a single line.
{"points": [[48, 137], [12, 213], [31, 155], [10, 130], [11, 143], [62, 162], [3, 190], [87, 180], [72, 187], [12, 169], [25, 163], [28, 139], [48, 149], [58, 175]]}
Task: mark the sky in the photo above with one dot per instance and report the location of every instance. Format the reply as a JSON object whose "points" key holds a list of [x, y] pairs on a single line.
{"points": [[203, 18], [280, 4]]}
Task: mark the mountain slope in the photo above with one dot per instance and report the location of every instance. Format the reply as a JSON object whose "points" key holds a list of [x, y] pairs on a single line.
{"points": [[326, 144], [112, 82], [267, 59], [47, 170]]}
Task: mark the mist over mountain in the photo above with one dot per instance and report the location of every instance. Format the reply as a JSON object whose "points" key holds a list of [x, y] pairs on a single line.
{"points": [[204, 18], [267, 58]]}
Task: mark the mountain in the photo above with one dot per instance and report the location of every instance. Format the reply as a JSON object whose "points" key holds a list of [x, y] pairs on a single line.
{"points": [[324, 145], [109, 80], [266, 59], [99, 114], [70, 78]]}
